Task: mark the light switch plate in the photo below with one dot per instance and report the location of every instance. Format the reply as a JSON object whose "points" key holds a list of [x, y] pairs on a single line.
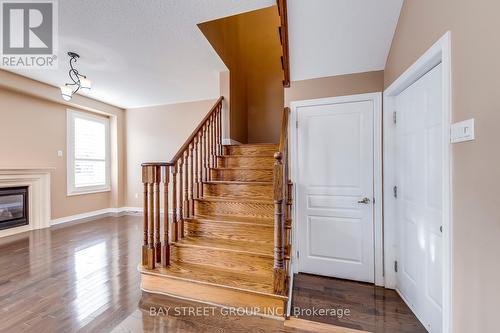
{"points": [[59, 153], [462, 131]]}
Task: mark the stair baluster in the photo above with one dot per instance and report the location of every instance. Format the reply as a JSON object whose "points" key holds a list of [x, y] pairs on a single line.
{"points": [[279, 263], [174, 203], [196, 191], [156, 190], [219, 136], [209, 149], [191, 180], [214, 159], [165, 256], [199, 156], [181, 197], [186, 188], [205, 152], [151, 249]]}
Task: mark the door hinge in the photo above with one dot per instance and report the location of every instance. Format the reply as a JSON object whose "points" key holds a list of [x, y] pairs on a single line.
{"points": [[394, 117], [296, 124], [298, 254], [395, 191], [396, 266]]}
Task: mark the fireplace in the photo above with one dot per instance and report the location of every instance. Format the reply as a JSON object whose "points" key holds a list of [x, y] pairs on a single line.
{"points": [[13, 207]]}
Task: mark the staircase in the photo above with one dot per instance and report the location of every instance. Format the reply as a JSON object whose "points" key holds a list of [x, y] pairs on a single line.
{"points": [[226, 241]]}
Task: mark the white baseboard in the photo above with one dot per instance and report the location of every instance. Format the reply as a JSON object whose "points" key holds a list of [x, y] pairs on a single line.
{"points": [[96, 214], [85, 216], [230, 142]]}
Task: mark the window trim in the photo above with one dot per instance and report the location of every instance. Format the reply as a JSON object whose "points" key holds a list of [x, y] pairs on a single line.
{"points": [[70, 156]]}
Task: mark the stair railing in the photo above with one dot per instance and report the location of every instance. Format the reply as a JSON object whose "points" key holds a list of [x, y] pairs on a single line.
{"points": [[282, 211], [283, 32], [181, 180]]}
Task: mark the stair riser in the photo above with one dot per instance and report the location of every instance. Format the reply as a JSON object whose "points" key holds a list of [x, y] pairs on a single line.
{"points": [[233, 208], [245, 162], [211, 294], [267, 150], [232, 231], [250, 191], [243, 175], [233, 261]]}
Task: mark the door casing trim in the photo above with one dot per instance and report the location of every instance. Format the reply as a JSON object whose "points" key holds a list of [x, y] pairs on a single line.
{"points": [[376, 98], [439, 53]]}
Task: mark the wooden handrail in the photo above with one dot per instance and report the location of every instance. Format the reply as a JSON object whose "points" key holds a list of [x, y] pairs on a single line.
{"points": [[196, 130], [183, 175], [282, 207], [283, 30]]}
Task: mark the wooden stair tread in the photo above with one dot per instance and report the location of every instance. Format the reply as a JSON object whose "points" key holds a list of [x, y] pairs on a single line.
{"points": [[237, 182], [235, 219], [253, 144], [247, 156], [217, 276], [235, 199], [241, 168], [260, 249]]}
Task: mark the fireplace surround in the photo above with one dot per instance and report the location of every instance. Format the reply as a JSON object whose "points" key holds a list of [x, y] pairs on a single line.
{"points": [[14, 207], [37, 182]]}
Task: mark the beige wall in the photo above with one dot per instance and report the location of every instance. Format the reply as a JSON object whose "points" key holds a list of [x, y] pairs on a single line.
{"points": [[249, 46], [155, 134], [332, 86], [475, 165], [224, 87], [33, 129]]}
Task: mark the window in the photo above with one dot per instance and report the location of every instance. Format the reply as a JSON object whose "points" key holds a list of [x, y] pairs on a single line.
{"points": [[88, 153]]}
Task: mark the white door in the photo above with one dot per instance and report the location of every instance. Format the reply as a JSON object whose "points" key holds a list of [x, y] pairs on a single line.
{"points": [[419, 156], [335, 190]]}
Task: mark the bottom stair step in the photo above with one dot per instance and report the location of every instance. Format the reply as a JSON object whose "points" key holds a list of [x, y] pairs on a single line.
{"points": [[215, 287], [215, 276]]}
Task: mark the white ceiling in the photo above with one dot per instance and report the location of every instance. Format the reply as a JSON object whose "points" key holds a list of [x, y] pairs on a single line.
{"points": [[335, 37], [142, 53]]}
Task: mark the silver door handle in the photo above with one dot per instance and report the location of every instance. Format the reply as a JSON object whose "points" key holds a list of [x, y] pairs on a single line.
{"points": [[365, 201]]}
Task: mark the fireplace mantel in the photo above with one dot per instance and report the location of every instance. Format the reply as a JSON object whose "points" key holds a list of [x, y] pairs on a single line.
{"points": [[38, 181]]}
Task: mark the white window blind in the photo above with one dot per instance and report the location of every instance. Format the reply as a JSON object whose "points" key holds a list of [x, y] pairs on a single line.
{"points": [[88, 151]]}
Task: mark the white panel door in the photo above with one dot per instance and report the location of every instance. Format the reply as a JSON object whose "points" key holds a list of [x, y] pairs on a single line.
{"points": [[419, 200], [335, 174]]}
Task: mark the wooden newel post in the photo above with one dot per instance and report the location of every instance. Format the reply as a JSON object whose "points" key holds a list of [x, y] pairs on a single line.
{"points": [[145, 208], [279, 263], [165, 253]]}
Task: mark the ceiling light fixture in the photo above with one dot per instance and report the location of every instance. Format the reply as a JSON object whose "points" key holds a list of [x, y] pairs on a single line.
{"points": [[79, 81]]}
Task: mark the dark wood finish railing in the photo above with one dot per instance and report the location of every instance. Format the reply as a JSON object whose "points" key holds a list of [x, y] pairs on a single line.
{"points": [[282, 211], [283, 31], [181, 179]]}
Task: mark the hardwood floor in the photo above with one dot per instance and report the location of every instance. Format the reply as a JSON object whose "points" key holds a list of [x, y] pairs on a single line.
{"points": [[70, 278], [372, 309], [84, 278]]}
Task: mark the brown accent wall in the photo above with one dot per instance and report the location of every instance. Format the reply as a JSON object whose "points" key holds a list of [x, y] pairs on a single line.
{"points": [[474, 27], [332, 86], [33, 129], [249, 45]]}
